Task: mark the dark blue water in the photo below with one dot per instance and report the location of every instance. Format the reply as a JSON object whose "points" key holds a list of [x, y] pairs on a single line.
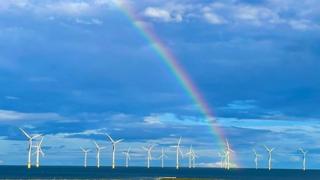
{"points": [[67, 172]]}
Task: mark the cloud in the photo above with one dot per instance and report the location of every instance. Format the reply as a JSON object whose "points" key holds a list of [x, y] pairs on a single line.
{"points": [[92, 21], [69, 8], [241, 105], [152, 120], [162, 14], [215, 165], [264, 15], [7, 115], [303, 25], [64, 8], [213, 18], [4, 4], [12, 98]]}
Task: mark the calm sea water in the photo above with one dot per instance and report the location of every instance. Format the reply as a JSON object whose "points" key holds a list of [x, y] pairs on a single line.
{"points": [[67, 172]]}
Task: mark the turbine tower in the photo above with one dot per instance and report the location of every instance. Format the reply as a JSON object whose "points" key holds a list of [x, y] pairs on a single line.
{"points": [[304, 153], [114, 143], [85, 155], [256, 157], [270, 156], [178, 151], [98, 148], [149, 157], [38, 152], [30, 138], [228, 153], [194, 156], [162, 156], [127, 155], [222, 159], [190, 154]]}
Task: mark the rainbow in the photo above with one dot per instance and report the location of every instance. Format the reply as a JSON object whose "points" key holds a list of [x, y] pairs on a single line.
{"points": [[177, 70]]}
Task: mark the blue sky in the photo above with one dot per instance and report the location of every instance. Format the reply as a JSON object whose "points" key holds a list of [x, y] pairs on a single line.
{"points": [[77, 69]]}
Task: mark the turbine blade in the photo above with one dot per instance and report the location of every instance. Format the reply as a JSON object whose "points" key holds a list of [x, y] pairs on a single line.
{"points": [[96, 144], [36, 136], [179, 141], [41, 141], [110, 138], [25, 133], [120, 140], [41, 152], [152, 146], [82, 149]]}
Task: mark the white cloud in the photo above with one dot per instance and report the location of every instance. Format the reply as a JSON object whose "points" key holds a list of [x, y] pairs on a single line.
{"points": [[215, 165], [7, 115], [213, 18], [158, 13], [241, 105], [231, 12], [69, 8], [12, 98], [51, 7], [101, 131], [303, 24], [152, 120], [169, 12], [93, 21], [8, 4]]}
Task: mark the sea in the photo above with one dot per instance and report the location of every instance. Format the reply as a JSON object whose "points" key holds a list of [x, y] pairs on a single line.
{"points": [[137, 173]]}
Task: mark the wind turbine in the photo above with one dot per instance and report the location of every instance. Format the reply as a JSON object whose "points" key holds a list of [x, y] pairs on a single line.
{"points": [[30, 138], [222, 159], [256, 157], [162, 156], [194, 156], [225, 159], [98, 148], [190, 154], [178, 151], [270, 155], [228, 153], [149, 157], [85, 155], [114, 143], [304, 153], [127, 154], [38, 152]]}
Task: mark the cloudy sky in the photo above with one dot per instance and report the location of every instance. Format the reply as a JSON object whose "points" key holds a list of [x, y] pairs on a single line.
{"points": [[77, 69]]}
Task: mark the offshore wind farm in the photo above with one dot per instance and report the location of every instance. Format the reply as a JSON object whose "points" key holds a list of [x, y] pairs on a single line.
{"points": [[190, 169], [179, 89]]}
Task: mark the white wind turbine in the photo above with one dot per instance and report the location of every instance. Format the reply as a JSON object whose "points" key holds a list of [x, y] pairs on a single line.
{"points": [[85, 151], [38, 152], [178, 151], [127, 156], [98, 148], [222, 159], [190, 154], [114, 143], [228, 153], [256, 157], [149, 157], [304, 153], [270, 156], [30, 138], [194, 156], [162, 156], [225, 160]]}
